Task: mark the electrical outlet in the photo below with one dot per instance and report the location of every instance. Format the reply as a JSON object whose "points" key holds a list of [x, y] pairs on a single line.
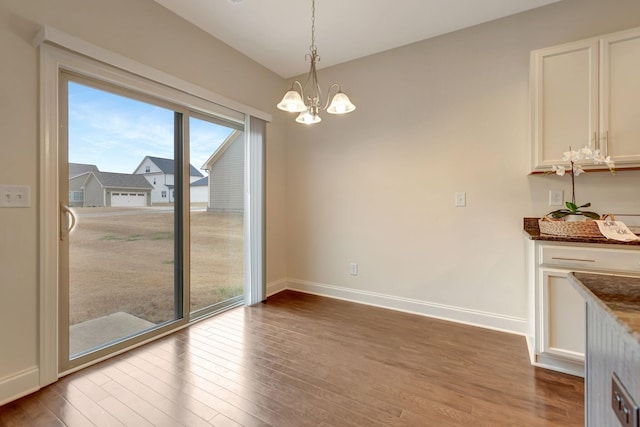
{"points": [[353, 269], [15, 196], [556, 197], [622, 404], [461, 199]]}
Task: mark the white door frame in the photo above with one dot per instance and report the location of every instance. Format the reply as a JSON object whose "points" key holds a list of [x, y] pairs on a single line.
{"points": [[90, 60]]}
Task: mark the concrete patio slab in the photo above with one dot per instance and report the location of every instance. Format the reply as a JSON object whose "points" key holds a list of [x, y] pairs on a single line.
{"points": [[96, 332]]}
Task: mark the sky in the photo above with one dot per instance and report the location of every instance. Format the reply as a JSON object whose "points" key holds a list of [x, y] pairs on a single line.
{"points": [[115, 133]]}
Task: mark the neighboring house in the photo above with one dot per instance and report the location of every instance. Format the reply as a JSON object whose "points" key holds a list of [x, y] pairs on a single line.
{"points": [[200, 190], [112, 189], [76, 169], [160, 173], [76, 194], [226, 175]]}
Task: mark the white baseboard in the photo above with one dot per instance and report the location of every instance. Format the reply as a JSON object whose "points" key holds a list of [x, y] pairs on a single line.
{"points": [[531, 348], [498, 322], [18, 385], [277, 286], [566, 367]]}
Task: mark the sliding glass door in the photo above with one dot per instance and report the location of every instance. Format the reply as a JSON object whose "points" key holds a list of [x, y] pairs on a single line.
{"points": [[152, 229]]}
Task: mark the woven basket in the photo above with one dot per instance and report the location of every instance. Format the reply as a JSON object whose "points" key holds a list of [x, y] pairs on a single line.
{"points": [[560, 227]]}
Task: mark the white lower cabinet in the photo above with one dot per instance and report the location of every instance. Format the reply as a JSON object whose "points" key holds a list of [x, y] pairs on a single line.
{"points": [[557, 311], [560, 340]]}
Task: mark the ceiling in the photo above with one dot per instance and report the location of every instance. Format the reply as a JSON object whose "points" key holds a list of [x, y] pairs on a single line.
{"points": [[277, 33]]}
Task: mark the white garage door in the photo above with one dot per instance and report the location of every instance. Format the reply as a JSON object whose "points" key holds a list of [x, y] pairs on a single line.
{"points": [[128, 199]]}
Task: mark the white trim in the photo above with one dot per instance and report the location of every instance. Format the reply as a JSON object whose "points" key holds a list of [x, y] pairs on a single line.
{"points": [[482, 319], [56, 37], [276, 286], [560, 365], [531, 348], [18, 385], [49, 214]]}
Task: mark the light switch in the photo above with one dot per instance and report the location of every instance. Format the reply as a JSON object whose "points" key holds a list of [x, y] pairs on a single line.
{"points": [[15, 196], [353, 269]]}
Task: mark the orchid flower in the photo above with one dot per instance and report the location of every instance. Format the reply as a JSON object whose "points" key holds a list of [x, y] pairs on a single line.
{"points": [[609, 163], [575, 169], [586, 153], [571, 156]]}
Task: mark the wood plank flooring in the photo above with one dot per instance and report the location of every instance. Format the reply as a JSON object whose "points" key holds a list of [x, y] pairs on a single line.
{"points": [[303, 360]]}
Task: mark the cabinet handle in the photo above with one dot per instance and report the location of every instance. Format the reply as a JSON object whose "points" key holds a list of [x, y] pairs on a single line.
{"points": [[594, 141], [606, 143], [573, 259]]}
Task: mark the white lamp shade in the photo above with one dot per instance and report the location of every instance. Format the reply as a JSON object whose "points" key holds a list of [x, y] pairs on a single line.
{"points": [[292, 102], [340, 104], [308, 118]]}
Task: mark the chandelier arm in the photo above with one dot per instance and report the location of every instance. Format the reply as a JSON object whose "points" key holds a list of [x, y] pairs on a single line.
{"points": [[314, 96], [329, 95], [309, 74], [296, 82], [318, 97]]}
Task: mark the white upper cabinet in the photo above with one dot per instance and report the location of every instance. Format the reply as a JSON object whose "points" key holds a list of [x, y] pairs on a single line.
{"points": [[620, 97], [586, 93]]}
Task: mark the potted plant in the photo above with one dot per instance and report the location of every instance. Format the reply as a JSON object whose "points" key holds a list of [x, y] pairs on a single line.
{"points": [[572, 210]]}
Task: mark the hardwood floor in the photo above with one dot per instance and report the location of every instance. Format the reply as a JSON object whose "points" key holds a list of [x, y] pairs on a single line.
{"points": [[304, 360]]}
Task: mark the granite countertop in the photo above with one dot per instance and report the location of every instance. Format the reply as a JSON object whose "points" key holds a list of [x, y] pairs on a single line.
{"points": [[531, 230], [618, 295]]}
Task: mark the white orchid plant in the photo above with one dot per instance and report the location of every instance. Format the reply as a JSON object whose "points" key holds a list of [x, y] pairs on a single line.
{"points": [[575, 169]]}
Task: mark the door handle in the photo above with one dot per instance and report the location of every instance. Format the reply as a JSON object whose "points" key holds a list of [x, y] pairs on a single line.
{"points": [[67, 221]]}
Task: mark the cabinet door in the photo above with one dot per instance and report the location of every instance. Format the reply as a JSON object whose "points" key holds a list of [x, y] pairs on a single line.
{"points": [[563, 324], [620, 95], [564, 97]]}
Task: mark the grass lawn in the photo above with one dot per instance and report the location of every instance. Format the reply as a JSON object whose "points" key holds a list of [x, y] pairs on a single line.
{"points": [[122, 260]]}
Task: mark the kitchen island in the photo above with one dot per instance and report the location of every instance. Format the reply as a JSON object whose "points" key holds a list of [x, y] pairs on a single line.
{"points": [[612, 369]]}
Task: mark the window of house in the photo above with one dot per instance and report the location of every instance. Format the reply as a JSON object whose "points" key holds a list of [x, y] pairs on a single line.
{"points": [[147, 169], [164, 194]]}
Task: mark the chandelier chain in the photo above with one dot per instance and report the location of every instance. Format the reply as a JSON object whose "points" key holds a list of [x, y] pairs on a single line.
{"points": [[313, 27]]}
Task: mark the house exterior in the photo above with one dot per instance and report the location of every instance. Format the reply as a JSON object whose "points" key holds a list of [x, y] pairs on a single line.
{"points": [[76, 193], [226, 175], [76, 169], [200, 191], [104, 189], [160, 173]]}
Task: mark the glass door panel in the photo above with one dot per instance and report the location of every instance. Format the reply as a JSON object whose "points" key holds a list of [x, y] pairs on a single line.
{"points": [[121, 279], [217, 216]]}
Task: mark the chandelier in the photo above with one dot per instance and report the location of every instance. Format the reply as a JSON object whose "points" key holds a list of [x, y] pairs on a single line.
{"points": [[307, 99]]}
